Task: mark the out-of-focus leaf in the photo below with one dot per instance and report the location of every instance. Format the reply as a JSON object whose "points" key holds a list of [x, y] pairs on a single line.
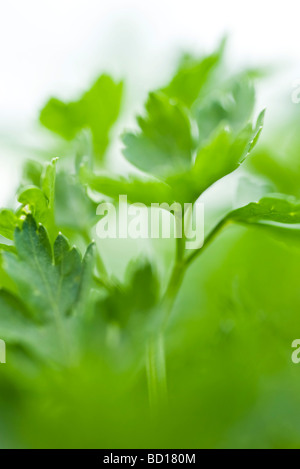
{"points": [[278, 159], [250, 189], [248, 137], [48, 182], [136, 297], [191, 76], [221, 156], [14, 321], [74, 210], [8, 223], [32, 172], [42, 341], [39, 200], [84, 150], [164, 144], [35, 199], [143, 278], [7, 248], [275, 208], [97, 110], [86, 280], [232, 106], [137, 190]]}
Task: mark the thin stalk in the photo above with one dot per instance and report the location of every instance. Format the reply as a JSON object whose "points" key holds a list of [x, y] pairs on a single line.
{"points": [[155, 352], [155, 349], [210, 238], [176, 277], [156, 374], [172, 290]]}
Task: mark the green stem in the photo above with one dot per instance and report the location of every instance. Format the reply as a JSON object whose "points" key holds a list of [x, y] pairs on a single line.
{"points": [[156, 374], [175, 280], [172, 290], [155, 351], [210, 238], [155, 356]]}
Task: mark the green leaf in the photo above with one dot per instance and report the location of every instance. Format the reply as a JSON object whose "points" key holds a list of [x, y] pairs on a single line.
{"points": [[221, 156], [282, 171], [48, 181], [275, 208], [48, 283], [83, 150], [17, 328], [164, 144], [32, 172], [86, 280], [191, 77], [39, 200], [68, 270], [129, 304], [248, 137], [137, 189], [232, 106], [7, 248], [8, 223], [74, 210], [97, 109], [35, 199], [14, 323]]}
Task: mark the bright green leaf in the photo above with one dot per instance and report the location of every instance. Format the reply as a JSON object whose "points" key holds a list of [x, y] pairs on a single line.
{"points": [[74, 210], [191, 77], [8, 223], [32, 172], [35, 199], [222, 155], [137, 190], [164, 144], [275, 208], [232, 106], [97, 109], [7, 248], [48, 182]]}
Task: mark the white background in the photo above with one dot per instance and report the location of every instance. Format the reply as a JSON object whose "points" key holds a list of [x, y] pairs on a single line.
{"points": [[59, 46]]}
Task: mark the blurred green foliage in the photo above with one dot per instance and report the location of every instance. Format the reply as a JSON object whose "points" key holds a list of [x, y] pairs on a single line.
{"points": [[78, 334], [97, 110]]}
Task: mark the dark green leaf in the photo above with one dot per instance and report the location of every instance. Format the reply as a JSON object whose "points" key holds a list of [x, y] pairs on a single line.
{"points": [[126, 304], [48, 284]]}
